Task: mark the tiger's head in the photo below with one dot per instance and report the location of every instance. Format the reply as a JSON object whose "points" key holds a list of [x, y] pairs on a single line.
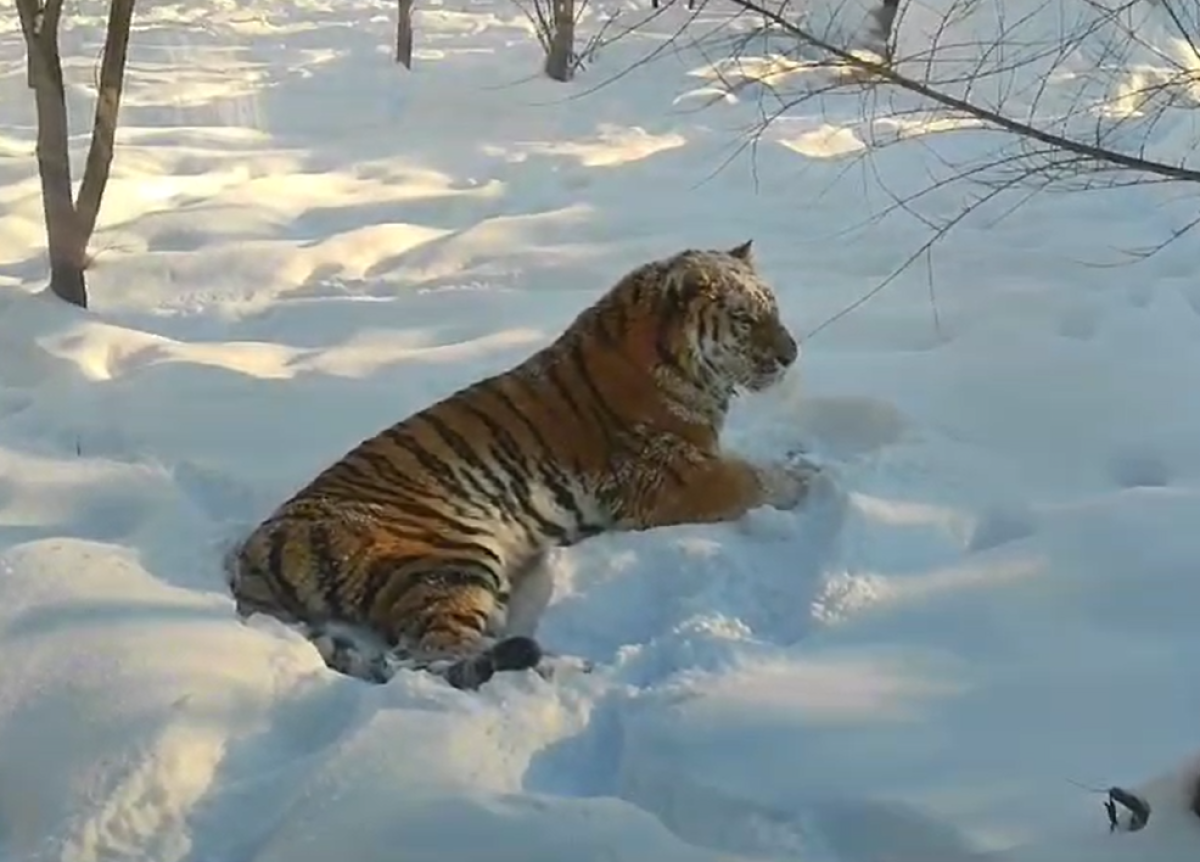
{"points": [[702, 323], [721, 322]]}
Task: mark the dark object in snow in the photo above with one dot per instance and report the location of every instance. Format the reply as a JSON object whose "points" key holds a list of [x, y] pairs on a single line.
{"points": [[1139, 809], [1196, 798]]}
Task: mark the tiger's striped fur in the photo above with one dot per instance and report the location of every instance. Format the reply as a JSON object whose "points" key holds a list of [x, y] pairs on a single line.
{"points": [[427, 534]]}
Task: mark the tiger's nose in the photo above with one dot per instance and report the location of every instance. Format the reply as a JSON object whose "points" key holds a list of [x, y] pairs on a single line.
{"points": [[789, 350]]}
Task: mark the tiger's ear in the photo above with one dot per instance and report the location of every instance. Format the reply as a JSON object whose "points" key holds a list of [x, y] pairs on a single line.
{"points": [[743, 251], [680, 281]]}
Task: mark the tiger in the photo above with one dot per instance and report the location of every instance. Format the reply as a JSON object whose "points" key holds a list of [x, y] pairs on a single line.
{"points": [[425, 546]]}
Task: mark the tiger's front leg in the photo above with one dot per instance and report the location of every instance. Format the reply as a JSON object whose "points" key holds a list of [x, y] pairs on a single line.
{"points": [[717, 488]]}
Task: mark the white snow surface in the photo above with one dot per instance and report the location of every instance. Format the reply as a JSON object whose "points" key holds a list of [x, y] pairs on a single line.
{"points": [[302, 242]]}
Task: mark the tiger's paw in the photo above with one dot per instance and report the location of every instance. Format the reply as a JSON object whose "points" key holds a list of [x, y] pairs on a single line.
{"points": [[787, 483], [347, 655], [799, 463]]}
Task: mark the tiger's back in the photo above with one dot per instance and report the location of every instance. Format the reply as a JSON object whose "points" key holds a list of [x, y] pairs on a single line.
{"points": [[419, 532]]}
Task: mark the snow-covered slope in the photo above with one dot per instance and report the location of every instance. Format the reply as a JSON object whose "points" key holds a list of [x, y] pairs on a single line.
{"points": [[302, 242]]}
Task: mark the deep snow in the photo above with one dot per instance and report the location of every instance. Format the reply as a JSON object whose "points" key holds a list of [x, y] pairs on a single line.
{"points": [[302, 242]]}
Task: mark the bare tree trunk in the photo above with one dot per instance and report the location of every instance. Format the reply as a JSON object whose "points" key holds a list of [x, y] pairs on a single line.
{"points": [[560, 57], [67, 245], [69, 223], [36, 18], [108, 104], [885, 20], [404, 33]]}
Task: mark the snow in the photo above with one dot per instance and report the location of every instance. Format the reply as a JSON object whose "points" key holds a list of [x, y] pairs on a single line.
{"points": [[301, 242]]}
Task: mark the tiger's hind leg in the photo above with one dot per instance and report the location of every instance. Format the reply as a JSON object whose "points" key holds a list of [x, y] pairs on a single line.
{"points": [[352, 651], [360, 654], [469, 672], [532, 589], [451, 622], [518, 652]]}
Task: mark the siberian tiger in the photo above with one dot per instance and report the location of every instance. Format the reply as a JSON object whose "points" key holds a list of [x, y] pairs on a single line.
{"points": [[430, 537]]}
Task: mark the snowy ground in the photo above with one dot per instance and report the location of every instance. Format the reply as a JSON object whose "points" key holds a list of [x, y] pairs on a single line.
{"points": [[302, 242]]}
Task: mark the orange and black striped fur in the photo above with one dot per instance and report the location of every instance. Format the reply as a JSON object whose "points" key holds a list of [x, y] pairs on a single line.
{"points": [[429, 538]]}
